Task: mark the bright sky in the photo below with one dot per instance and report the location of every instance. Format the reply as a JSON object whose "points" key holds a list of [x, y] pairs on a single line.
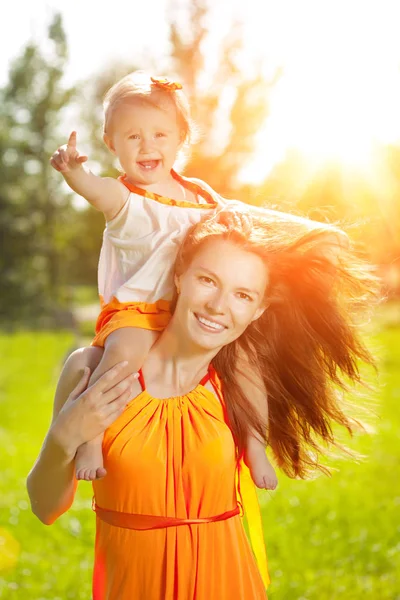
{"points": [[340, 90]]}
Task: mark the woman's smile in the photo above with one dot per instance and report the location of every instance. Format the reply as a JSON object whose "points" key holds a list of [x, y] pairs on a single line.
{"points": [[209, 325], [217, 302]]}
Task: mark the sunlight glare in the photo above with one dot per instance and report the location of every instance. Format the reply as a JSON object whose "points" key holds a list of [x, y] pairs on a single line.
{"points": [[339, 94]]}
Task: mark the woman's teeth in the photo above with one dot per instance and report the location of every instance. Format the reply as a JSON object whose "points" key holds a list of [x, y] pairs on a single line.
{"points": [[211, 324]]}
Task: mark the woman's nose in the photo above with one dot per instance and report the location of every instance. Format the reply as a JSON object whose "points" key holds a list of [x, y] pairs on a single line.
{"points": [[217, 303]]}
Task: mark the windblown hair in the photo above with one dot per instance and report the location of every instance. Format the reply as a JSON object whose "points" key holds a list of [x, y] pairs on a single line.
{"points": [[138, 87], [306, 346]]}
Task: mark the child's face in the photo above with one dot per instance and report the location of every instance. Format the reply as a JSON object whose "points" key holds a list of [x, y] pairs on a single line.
{"points": [[146, 140]]}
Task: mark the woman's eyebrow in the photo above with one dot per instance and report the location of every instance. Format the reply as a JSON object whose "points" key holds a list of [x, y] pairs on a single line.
{"points": [[249, 291], [241, 289]]}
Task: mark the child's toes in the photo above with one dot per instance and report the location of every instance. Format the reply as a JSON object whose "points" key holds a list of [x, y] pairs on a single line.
{"points": [[86, 474], [91, 474], [259, 481], [270, 484], [100, 472], [80, 474]]}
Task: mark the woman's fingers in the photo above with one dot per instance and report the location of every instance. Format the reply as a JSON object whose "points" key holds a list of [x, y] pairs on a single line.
{"points": [[108, 379], [118, 406], [113, 394], [81, 385]]}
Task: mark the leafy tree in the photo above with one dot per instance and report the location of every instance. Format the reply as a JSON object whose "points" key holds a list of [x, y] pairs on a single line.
{"points": [[33, 205]]}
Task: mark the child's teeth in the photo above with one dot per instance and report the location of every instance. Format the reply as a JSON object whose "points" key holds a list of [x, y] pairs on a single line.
{"points": [[149, 164]]}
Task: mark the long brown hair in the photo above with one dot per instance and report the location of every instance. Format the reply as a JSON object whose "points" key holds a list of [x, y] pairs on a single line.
{"points": [[306, 347]]}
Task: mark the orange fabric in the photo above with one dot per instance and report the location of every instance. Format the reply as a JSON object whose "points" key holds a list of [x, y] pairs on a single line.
{"points": [[168, 459], [145, 522], [116, 314], [190, 185], [248, 499]]}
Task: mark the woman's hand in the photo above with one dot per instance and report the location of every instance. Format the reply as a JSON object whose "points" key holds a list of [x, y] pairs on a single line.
{"points": [[89, 411]]}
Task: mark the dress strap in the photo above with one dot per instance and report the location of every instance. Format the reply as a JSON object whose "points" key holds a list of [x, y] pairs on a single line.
{"points": [[206, 378], [141, 380]]}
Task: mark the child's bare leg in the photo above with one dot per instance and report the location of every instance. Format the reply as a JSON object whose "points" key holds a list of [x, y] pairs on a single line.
{"points": [[128, 343], [262, 472]]}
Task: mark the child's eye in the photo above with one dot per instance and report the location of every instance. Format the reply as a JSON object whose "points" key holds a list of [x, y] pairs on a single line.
{"points": [[160, 134], [134, 136]]}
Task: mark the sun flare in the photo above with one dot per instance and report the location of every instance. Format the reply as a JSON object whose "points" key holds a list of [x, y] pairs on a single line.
{"points": [[339, 93]]}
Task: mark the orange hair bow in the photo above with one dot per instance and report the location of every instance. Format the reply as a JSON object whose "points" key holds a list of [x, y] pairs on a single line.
{"points": [[165, 84]]}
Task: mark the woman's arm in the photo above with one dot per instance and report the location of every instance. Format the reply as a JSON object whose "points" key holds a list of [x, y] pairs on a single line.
{"points": [[79, 415]]}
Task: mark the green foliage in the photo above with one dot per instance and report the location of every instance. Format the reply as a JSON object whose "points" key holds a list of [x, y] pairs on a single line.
{"points": [[329, 538], [33, 208]]}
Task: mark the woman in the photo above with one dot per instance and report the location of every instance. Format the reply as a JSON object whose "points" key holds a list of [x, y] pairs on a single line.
{"points": [[168, 510]]}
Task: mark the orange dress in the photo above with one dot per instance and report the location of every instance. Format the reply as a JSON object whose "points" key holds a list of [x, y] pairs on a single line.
{"points": [[167, 513]]}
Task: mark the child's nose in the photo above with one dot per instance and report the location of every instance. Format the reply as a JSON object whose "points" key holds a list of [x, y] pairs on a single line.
{"points": [[146, 144]]}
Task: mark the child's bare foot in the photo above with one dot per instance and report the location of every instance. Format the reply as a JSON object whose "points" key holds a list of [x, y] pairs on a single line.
{"points": [[261, 470], [89, 461]]}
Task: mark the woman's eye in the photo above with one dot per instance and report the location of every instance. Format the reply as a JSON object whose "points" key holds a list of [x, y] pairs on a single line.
{"points": [[205, 279], [244, 296]]}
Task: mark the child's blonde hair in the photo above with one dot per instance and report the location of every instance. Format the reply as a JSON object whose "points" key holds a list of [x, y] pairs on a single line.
{"points": [[150, 90]]}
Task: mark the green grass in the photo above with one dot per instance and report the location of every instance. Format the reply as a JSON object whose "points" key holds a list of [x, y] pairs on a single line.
{"points": [[81, 295], [56, 562], [328, 538]]}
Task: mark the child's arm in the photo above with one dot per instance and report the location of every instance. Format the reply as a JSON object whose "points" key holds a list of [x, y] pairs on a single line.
{"points": [[106, 194]]}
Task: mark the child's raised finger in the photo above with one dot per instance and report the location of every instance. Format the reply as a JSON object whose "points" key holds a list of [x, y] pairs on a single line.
{"points": [[72, 139]]}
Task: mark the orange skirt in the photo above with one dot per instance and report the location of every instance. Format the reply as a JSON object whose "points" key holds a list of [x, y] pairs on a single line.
{"points": [[115, 315]]}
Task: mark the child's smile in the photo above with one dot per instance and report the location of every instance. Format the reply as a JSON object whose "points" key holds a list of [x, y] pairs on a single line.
{"points": [[146, 139]]}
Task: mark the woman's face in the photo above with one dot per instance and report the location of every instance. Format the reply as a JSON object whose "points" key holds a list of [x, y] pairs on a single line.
{"points": [[220, 294]]}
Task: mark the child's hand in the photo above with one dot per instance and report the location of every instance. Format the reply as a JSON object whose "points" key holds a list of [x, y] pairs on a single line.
{"points": [[67, 157]]}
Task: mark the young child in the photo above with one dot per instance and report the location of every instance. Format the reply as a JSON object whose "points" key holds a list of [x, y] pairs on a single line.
{"points": [[148, 211]]}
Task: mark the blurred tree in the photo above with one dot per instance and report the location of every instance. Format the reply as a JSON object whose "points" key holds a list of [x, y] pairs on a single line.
{"points": [[33, 206], [229, 104]]}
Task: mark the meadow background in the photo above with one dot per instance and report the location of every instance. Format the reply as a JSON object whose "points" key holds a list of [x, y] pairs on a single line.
{"points": [[286, 116], [328, 538]]}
